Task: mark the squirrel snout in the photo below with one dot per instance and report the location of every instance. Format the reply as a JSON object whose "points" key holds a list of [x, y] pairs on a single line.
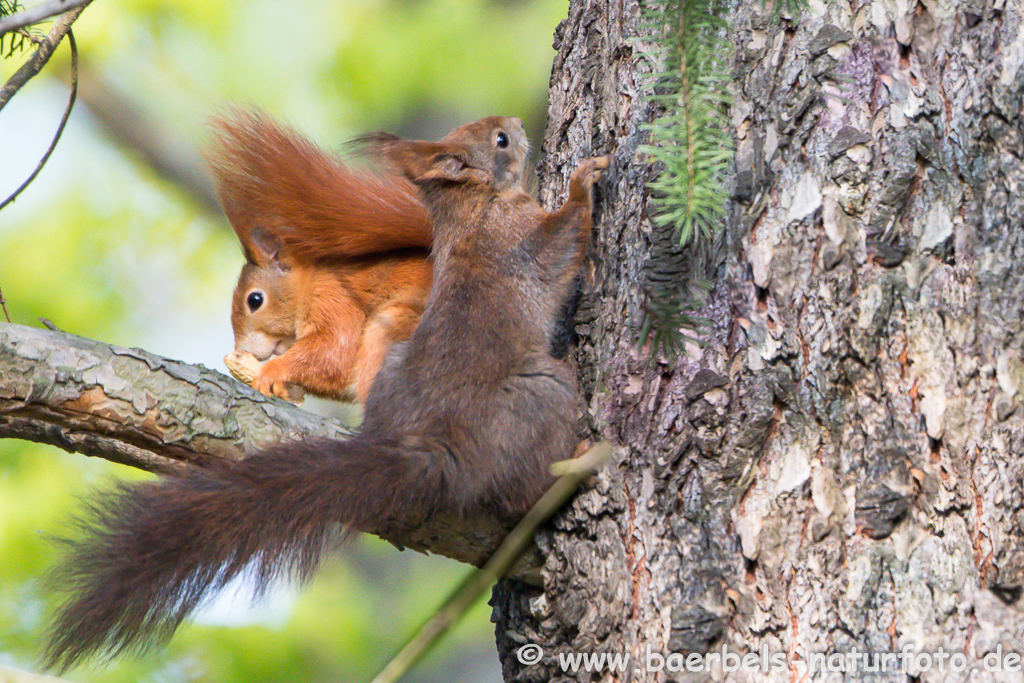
{"points": [[261, 346]]}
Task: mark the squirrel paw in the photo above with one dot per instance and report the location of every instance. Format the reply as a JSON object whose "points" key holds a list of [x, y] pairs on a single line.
{"points": [[589, 172], [271, 381]]}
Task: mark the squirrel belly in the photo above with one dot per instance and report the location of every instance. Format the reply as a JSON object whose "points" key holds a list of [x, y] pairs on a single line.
{"points": [[468, 413]]}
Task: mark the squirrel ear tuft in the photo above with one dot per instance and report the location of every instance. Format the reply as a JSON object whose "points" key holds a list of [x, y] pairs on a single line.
{"points": [[264, 249], [417, 160], [444, 166], [379, 147], [372, 143]]}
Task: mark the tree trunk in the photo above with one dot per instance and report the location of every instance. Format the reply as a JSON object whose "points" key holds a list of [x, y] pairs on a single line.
{"points": [[836, 472]]}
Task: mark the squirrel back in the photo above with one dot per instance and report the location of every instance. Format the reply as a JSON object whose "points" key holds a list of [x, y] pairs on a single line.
{"points": [[468, 413]]}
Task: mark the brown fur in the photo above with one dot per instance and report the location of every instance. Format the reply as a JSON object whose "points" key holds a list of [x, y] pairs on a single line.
{"points": [[339, 257], [468, 413]]}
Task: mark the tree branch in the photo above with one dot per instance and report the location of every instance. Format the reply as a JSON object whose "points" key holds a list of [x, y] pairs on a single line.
{"points": [[34, 15], [60, 126], [42, 54], [139, 409]]}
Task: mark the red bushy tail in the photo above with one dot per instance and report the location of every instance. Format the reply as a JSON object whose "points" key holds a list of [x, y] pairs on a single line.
{"points": [[152, 551], [271, 178]]}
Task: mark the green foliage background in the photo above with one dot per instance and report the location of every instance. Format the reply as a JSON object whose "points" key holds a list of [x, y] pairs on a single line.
{"points": [[105, 247]]}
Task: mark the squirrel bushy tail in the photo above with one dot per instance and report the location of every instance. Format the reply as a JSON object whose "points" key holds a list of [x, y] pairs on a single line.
{"points": [[272, 178], [154, 550]]}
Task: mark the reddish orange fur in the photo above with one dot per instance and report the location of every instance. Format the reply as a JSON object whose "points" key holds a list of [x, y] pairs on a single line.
{"points": [[272, 177], [344, 324], [338, 255]]}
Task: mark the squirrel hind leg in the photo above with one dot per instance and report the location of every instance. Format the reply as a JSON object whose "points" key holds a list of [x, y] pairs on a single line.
{"points": [[528, 423], [394, 322]]}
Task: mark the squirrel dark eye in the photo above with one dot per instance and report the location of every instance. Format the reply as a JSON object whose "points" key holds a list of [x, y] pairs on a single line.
{"points": [[254, 301], [501, 140]]}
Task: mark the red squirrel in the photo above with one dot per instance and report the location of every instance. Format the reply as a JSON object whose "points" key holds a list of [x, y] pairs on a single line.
{"points": [[467, 414], [336, 260]]}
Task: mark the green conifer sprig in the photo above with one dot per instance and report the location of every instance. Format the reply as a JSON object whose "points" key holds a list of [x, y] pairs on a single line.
{"points": [[691, 149], [15, 41]]}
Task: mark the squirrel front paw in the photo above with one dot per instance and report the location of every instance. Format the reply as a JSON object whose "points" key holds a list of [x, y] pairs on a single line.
{"points": [[272, 381], [588, 173], [246, 369]]}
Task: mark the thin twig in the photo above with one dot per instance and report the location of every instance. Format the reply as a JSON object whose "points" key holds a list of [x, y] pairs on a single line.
{"points": [[36, 14], [3, 305], [29, 36], [34, 38], [40, 57], [63, 121], [572, 473]]}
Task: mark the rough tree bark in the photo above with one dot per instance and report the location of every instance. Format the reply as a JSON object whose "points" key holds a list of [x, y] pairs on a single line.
{"points": [[838, 471]]}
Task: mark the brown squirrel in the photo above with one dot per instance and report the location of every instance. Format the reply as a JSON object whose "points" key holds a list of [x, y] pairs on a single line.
{"points": [[336, 260], [468, 413]]}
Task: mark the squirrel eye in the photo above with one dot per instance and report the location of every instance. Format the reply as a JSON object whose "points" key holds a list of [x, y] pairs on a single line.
{"points": [[501, 140], [254, 301]]}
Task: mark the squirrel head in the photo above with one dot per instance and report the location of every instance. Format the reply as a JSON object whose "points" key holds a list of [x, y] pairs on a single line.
{"points": [[263, 309], [497, 145], [489, 152]]}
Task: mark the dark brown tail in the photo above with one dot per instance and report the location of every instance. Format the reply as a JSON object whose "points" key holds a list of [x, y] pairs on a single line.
{"points": [[271, 178], [152, 551]]}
